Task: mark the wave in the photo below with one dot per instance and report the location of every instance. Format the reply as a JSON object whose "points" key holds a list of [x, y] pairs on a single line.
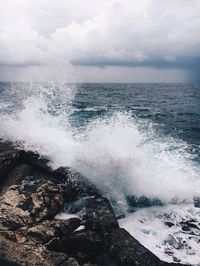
{"points": [[121, 154]]}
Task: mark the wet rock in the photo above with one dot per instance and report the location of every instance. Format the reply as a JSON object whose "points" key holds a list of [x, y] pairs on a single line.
{"points": [[99, 214], [74, 184], [185, 228], [169, 224], [189, 225], [127, 250], [138, 202], [197, 202]]}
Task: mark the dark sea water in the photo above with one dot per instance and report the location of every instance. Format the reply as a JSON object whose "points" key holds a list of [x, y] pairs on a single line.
{"points": [[129, 139]]}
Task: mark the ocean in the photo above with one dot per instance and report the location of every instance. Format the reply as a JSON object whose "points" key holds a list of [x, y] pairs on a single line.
{"points": [[138, 141]]}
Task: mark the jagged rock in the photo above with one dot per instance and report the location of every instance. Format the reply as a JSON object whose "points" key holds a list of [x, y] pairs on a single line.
{"points": [[32, 201], [45, 231], [47, 200]]}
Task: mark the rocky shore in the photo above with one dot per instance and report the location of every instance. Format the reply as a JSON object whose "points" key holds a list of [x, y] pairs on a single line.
{"points": [[34, 230]]}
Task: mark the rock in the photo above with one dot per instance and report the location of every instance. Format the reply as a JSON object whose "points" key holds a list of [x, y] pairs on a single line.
{"points": [[169, 224], [8, 160], [126, 250], [16, 175], [45, 231], [74, 184], [35, 160], [5, 262], [197, 202], [47, 200], [99, 214], [70, 262], [138, 202], [85, 241], [12, 216], [185, 228], [30, 202], [34, 193]]}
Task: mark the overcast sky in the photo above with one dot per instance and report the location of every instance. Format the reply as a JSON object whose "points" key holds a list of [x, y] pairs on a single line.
{"points": [[100, 41]]}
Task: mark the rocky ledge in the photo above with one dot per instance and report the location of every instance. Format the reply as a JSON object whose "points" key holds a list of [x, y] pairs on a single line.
{"points": [[34, 226]]}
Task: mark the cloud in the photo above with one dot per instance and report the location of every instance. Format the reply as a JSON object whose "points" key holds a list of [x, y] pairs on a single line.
{"points": [[124, 33]]}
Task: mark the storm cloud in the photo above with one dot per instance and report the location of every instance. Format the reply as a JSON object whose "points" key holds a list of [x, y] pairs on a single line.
{"points": [[99, 37]]}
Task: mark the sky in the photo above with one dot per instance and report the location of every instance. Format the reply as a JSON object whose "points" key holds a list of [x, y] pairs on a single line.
{"points": [[100, 41]]}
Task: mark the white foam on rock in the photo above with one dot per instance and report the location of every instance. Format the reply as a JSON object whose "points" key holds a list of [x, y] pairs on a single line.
{"points": [[65, 216]]}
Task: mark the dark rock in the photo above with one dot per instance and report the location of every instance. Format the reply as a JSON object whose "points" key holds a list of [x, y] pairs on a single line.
{"points": [[163, 263], [74, 184], [35, 160], [5, 262], [197, 202], [8, 160], [169, 224], [187, 225], [16, 175], [138, 202], [121, 216], [99, 214], [55, 258], [127, 250], [70, 262], [84, 241], [185, 228]]}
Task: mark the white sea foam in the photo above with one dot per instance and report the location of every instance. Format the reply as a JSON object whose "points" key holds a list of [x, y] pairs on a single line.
{"points": [[169, 243]]}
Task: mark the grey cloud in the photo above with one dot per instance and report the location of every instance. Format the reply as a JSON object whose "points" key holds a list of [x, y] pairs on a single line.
{"points": [[115, 33], [190, 63]]}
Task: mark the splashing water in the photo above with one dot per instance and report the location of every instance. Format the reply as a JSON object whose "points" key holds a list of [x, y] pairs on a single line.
{"points": [[122, 155]]}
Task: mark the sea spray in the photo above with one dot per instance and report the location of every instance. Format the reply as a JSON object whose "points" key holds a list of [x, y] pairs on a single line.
{"points": [[120, 154]]}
